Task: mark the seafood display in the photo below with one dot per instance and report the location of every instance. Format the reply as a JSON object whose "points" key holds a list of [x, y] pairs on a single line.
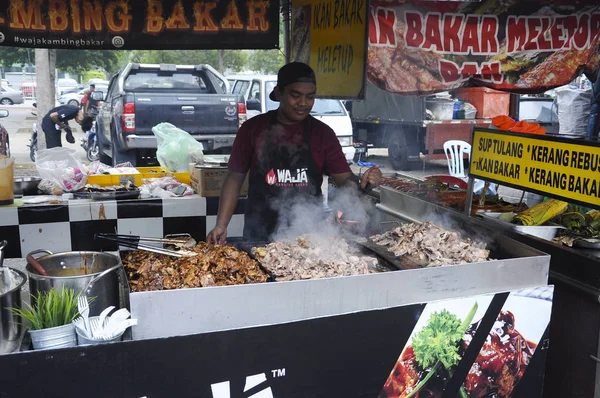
{"points": [[431, 245], [212, 266], [313, 256]]}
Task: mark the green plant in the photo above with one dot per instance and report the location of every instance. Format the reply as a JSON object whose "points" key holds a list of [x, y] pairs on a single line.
{"points": [[51, 309], [437, 345]]}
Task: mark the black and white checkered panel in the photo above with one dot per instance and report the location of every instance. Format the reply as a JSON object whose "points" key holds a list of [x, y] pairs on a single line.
{"points": [[72, 225]]}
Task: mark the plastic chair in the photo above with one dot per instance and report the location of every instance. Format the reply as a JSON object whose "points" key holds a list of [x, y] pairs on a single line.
{"points": [[455, 150]]}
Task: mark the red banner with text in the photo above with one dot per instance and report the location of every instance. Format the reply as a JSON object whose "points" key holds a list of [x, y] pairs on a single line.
{"points": [[422, 47], [140, 24]]}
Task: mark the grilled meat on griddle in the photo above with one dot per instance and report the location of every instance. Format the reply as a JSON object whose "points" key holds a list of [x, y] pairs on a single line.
{"points": [[312, 256], [431, 245], [213, 266]]}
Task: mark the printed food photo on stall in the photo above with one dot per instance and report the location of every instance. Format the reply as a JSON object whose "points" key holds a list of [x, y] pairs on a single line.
{"points": [[429, 46], [505, 335]]}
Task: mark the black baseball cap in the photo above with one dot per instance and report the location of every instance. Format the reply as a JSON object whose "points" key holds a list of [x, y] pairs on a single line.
{"points": [[294, 72]]}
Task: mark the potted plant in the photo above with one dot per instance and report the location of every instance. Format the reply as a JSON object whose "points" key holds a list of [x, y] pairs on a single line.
{"points": [[51, 315]]}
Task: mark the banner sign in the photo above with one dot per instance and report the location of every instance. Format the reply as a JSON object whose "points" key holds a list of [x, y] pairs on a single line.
{"points": [[140, 24], [551, 166], [522, 46], [331, 36], [490, 345]]}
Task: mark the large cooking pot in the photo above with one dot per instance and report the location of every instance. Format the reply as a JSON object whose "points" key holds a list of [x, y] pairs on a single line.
{"points": [[95, 273], [11, 282]]}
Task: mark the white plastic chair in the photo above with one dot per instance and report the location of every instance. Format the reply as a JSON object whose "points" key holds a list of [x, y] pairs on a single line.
{"points": [[455, 150]]}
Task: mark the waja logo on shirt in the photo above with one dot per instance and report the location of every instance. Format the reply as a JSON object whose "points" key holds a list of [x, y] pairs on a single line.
{"points": [[287, 178]]}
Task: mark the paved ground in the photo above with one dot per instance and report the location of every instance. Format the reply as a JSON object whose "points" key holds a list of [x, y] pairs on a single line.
{"points": [[19, 125], [21, 118]]}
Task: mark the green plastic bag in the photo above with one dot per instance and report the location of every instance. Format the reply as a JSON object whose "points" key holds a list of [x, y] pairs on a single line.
{"points": [[176, 148]]}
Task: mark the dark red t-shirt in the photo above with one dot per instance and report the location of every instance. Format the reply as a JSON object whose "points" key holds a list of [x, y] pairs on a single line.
{"points": [[323, 143]]}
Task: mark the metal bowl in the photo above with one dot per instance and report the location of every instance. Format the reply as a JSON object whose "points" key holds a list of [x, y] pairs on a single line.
{"points": [[26, 185], [11, 282]]}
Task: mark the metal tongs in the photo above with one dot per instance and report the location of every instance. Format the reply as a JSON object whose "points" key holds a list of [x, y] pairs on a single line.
{"points": [[180, 241]]}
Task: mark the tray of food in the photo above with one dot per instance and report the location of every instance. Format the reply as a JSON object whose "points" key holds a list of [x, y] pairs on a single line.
{"points": [[581, 229], [421, 245], [115, 195], [312, 256], [115, 192], [547, 232], [545, 220], [210, 266], [136, 178]]}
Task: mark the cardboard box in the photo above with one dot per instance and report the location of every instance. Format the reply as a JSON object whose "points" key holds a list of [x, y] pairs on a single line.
{"points": [[207, 180]]}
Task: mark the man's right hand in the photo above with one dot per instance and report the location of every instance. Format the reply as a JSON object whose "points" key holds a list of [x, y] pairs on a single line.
{"points": [[217, 236], [69, 135]]}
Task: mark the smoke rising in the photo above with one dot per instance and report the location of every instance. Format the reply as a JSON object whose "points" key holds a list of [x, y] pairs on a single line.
{"points": [[298, 216]]}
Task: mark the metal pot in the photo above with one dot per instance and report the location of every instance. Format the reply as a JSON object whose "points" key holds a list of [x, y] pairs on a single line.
{"points": [[26, 185], [96, 274], [11, 282]]}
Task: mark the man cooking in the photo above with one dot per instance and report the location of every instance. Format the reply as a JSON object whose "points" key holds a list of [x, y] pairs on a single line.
{"points": [[287, 152], [57, 119]]}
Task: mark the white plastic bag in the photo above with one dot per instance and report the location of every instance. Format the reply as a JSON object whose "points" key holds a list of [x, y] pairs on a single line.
{"points": [[175, 147], [574, 106], [62, 167], [164, 187]]}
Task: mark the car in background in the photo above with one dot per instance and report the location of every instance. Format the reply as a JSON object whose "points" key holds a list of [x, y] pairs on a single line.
{"points": [[9, 96], [256, 90], [97, 81], [4, 141], [74, 98], [65, 84], [86, 86]]}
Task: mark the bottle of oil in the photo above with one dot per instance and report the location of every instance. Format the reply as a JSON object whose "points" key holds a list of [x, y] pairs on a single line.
{"points": [[7, 180]]}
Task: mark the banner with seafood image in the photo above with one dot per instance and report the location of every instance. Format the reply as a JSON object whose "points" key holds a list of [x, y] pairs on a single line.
{"points": [[476, 347], [522, 46]]}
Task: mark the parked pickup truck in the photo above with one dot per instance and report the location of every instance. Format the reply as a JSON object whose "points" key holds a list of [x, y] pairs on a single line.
{"points": [[194, 98]]}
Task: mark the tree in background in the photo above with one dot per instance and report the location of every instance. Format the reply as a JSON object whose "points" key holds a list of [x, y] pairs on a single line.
{"points": [[72, 61], [266, 61], [93, 74], [80, 61], [45, 64], [17, 56]]}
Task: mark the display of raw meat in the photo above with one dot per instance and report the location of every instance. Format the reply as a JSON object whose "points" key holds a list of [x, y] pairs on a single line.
{"points": [[213, 266], [312, 256], [431, 245]]}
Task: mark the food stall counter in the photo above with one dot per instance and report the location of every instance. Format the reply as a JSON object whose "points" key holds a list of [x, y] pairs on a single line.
{"points": [[71, 224]]}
